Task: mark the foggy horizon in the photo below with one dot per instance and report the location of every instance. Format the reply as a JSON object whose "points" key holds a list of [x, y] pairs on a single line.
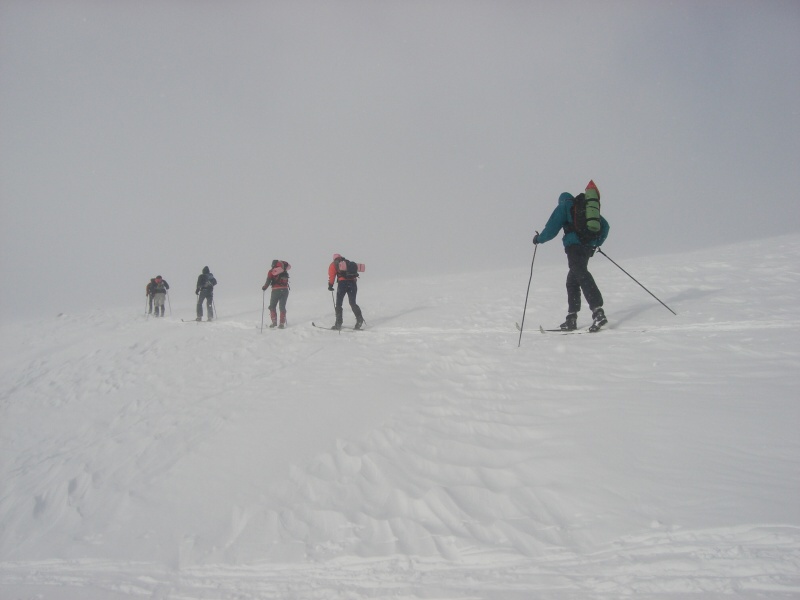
{"points": [[157, 138]]}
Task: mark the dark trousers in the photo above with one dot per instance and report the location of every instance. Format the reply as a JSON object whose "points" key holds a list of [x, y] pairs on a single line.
{"points": [[277, 299], [580, 280], [349, 289], [208, 297]]}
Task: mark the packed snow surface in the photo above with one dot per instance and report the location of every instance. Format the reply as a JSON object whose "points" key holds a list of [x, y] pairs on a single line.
{"points": [[430, 456]]}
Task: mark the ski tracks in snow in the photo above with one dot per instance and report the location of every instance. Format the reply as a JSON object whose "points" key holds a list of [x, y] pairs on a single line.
{"points": [[427, 458], [701, 563]]}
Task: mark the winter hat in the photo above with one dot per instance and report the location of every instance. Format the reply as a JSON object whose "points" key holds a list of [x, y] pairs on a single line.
{"points": [[592, 191], [335, 256], [206, 270], [158, 277]]}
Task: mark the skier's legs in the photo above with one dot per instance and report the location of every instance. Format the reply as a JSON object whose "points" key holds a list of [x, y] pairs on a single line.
{"points": [[158, 304], [341, 290], [277, 300], [575, 263], [284, 296], [352, 292], [579, 279]]}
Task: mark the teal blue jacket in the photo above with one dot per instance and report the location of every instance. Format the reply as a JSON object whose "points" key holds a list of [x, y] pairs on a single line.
{"points": [[562, 216]]}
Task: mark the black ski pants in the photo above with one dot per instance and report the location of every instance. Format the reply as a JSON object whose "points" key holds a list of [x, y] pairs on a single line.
{"points": [[580, 280], [347, 288], [208, 297]]}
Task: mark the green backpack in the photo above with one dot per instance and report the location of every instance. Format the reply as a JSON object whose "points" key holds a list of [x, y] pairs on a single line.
{"points": [[586, 216]]}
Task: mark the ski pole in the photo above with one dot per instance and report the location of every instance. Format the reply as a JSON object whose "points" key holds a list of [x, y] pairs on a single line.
{"points": [[169, 303], [334, 309], [640, 285], [522, 325], [146, 300], [263, 301]]}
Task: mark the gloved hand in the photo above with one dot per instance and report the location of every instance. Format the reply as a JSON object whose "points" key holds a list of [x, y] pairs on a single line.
{"points": [[263, 287], [536, 239], [330, 287], [197, 292]]}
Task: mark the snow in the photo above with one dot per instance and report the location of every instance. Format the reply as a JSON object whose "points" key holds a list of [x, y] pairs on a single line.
{"points": [[427, 457]]}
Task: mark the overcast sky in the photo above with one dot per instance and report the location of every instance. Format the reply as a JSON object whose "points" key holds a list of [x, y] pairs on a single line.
{"points": [[155, 137]]}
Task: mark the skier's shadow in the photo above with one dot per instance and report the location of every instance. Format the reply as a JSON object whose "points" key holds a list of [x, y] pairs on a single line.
{"points": [[676, 300], [389, 318]]}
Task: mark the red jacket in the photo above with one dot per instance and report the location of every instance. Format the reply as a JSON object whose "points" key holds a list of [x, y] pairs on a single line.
{"points": [[278, 278], [339, 275]]}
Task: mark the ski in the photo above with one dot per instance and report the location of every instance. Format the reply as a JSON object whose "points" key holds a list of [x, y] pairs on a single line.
{"points": [[562, 331], [344, 327], [566, 332], [196, 321]]}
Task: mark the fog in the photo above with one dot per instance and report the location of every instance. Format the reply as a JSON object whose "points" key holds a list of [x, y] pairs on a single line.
{"points": [[145, 138]]}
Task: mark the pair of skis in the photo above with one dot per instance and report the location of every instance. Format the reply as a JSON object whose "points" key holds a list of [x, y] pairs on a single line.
{"points": [[343, 328], [590, 329]]}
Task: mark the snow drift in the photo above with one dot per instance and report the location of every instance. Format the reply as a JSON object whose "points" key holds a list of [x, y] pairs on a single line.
{"points": [[428, 456]]}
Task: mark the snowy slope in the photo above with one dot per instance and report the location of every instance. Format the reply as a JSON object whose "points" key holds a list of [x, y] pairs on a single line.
{"points": [[427, 457]]}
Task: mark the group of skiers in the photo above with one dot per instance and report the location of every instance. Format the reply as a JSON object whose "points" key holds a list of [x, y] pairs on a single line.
{"points": [[156, 292], [585, 230], [341, 270]]}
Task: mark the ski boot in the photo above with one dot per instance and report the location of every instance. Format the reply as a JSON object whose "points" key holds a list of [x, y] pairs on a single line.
{"points": [[599, 318], [571, 324], [339, 319]]}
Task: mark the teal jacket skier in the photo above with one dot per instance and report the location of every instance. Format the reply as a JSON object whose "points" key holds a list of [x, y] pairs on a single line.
{"points": [[561, 217], [579, 279]]}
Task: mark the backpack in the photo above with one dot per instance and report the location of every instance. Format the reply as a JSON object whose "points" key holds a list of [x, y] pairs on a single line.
{"points": [[280, 271], [586, 217], [350, 268]]}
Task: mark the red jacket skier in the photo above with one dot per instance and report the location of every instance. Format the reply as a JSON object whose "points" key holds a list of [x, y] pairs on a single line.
{"points": [[345, 273], [278, 278]]}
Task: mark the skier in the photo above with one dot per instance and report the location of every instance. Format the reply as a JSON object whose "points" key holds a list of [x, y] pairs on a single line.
{"points": [[148, 291], [205, 291], [160, 287], [278, 278], [579, 279], [346, 285]]}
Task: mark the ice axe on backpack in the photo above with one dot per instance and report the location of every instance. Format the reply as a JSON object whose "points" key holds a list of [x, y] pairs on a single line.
{"points": [[632, 277]]}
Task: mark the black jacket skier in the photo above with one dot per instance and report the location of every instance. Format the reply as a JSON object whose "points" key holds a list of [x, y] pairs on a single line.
{"points": [[205, 291]]}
